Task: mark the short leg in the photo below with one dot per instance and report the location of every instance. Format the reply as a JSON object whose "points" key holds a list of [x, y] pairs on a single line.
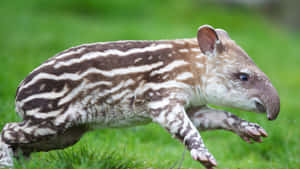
{"points": [[6, 154], [206, 118], [170, 114], [27, 137]]}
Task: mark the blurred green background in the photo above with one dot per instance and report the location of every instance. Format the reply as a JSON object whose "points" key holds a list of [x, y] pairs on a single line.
{"points": [[34, 30]]}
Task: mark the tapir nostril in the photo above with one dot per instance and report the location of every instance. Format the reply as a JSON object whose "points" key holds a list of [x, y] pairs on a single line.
{"points": [[260, 107]]}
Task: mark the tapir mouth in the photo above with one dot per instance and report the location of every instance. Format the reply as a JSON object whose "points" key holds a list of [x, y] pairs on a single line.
{"points": [[269, 105], [260, 107]]}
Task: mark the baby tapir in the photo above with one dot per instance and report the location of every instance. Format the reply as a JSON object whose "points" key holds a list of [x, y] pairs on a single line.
{"points": [[128, 83]]}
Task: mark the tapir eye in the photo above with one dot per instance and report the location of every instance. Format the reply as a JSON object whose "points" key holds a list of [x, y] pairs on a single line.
{"points": [[243, 76]]}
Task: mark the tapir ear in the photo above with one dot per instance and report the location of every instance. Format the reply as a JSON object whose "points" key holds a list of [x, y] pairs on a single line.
{"points": [[222, 34], [208, 40]]}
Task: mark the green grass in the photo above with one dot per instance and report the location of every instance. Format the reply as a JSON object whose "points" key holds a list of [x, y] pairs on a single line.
{"points": [[32, 31]]}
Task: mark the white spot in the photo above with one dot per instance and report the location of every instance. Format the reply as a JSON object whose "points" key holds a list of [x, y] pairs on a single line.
{"points": [[150, 57], [42, 87], [137, 60], [50, 105]]}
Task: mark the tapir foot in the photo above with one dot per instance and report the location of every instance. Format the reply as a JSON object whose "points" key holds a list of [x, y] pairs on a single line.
{"points": [[251, 131], [204, 157], [6, 155]]}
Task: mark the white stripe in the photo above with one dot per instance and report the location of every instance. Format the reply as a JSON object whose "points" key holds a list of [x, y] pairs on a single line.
{"points": [[128, 82], [161, 118], [47, 64], [59, 57], [112, 90], [183, 50], [82, 87], [168, 84], [200, 55], [169, 67], [48, 95], [74, 76], [70, 53], [165, 76], [43, 65], [62, 118], [171, 117], [72, 94], [179, 41], [195, 49], [77, 60], [159, 104], [120, 95], [93, 55], [37, 114], [184, 76], [96, 94], [43, 131]]}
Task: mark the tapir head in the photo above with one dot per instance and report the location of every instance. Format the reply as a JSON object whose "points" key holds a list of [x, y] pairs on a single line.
{"points": [[232, 79]]}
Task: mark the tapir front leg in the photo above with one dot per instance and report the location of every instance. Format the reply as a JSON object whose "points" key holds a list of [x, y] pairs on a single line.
{"points": [[206, 118], [170, 114]]}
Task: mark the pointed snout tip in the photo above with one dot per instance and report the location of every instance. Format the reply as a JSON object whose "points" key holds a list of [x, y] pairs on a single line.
{"points": [[271, 108], [272, 103], [272, 115]]}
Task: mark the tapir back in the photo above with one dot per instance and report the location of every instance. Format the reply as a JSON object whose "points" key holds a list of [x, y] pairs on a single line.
{"points": [[99, 80]]}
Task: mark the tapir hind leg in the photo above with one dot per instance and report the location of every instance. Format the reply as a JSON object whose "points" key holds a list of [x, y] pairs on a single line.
{"points": [[27, 137]]}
